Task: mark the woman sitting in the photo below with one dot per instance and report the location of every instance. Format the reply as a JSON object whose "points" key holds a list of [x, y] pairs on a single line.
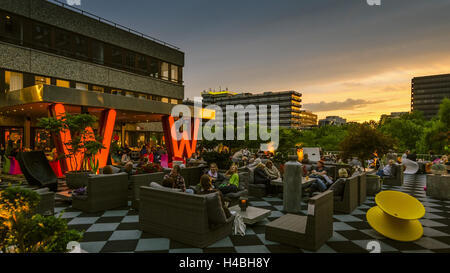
{"points": [[272, 171], [233, 183], [207, 188], [214, 174]]}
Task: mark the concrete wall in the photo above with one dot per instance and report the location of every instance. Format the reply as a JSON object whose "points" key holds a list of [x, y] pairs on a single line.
{"points": [[42, 63], [46, 12]]}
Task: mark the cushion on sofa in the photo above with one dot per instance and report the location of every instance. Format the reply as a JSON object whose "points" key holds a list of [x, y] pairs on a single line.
{"points": [[338, 187], [159, 186], [216, 214]]}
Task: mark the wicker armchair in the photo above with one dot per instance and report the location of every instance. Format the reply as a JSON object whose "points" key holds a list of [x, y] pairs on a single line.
{"points": [[139, 180], [362, 188], [349, 200], [397, 176], [179, 216], [308, 232], [103, 192]]}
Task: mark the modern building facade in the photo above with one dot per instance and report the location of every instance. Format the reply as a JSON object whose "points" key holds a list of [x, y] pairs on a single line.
{"points": [[428, 92], [393, 115], [54, 54], [332, 120], [307, 119], [289, 102]]}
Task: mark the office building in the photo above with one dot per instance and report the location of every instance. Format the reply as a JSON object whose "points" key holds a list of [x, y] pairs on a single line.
{"points": [[428, 92]]}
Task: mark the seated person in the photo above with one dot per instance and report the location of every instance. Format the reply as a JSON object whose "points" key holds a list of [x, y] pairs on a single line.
{"points": [[214, 174], [142, 162], [207, 188], [272, 171], [108, 170], [387, 170], [255, 163], [125, 157], [232, 185], [179, 180], [168, 182], [320, 172], [305, 159], [261, 177], [338, 186]]}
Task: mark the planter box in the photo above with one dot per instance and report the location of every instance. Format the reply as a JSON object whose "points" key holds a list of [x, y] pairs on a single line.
{"points": [[438, 186]]}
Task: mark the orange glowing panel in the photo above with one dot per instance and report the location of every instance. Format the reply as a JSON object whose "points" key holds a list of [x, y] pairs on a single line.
{"points": [[107, 123], [184, 145]]}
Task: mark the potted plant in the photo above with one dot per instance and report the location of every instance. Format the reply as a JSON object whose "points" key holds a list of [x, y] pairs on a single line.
{"points": [[22, 231], [438, 169], [149, 168], [83, 143]]}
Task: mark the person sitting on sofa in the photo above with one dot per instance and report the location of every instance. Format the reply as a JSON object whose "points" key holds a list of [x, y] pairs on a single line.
{"points": [[232, 185], [320, 172], [387, 170], [261, 177], [179, 180], [108, 170], [168, 182], [207, 188], [338, 186], [214, 174], [272, 172]]}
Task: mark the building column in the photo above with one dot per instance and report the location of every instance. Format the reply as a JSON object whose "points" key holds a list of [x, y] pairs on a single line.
{"points": [[27, 133], [122, 136]]}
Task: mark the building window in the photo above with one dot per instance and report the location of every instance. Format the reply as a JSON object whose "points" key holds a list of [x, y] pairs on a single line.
{"points": [[81, 86], [13, 81], [130, 94], [81, 47], [98, 89], [130, 60], [142, 64], [174, 101], [142, 96], [116, 56], [62, 43], [13, 29], [116, 92], [174, 73], [154, 68], [165, 71], [97, 52], [41, 36], [63, 83], [165, 100], [42, 80]]}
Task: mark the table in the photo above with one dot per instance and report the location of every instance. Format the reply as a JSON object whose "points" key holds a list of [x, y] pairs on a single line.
{"points": [[251, 215], [64, 195]]}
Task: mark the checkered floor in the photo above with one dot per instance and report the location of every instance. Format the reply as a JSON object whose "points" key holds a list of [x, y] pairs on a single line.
{"points": [[118, 231]]}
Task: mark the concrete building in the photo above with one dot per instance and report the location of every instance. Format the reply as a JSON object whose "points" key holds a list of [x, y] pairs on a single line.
{"points": [[51, 53], [289, 103], [308, 119], [393, 115], [332, 120], [428, 92]]}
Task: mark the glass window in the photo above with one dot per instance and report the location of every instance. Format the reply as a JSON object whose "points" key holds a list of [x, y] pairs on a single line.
{"points": [[142, 63], [97, 52], [62, 42], [81, 47], [174, 73], [98, 89], [63, 83], [42, 80], [165, 71], [154, 68], [130, 94], [13, 29], [142, 96], [174, 101], [165, 100], [130, 60], [41, 36], [116, 92], [13, 81], [81, 86], [116, 56]]}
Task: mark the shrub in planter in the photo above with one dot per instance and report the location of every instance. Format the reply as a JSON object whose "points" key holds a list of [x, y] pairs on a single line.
{"points": [[438, 169], [149, 168], [22, 232]]}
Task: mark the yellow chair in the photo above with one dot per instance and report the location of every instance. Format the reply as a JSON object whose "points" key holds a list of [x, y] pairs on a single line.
{"points": [[396, 216]]}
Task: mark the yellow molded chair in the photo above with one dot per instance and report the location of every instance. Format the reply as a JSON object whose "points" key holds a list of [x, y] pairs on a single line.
{"points": [[396, 216]]}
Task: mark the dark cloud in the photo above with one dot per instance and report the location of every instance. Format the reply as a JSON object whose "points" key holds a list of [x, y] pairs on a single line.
{"points": [[348, 104]]}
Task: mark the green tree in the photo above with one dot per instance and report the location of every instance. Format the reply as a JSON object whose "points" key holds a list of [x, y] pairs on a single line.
{"points": [[363, 140]]}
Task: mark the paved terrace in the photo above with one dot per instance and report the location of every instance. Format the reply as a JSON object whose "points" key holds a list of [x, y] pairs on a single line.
{"points": [[118, 230]]}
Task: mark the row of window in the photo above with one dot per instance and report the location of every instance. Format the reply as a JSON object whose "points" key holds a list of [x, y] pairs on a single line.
{"points": [[15, 81], [23, 31]]}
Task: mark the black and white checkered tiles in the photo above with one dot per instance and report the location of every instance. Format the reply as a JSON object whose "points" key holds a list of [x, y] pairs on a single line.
{"points": [[118, 231]]}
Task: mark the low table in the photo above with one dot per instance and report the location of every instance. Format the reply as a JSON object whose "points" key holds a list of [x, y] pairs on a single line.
{"points": [[64, 195], [251, 215]]}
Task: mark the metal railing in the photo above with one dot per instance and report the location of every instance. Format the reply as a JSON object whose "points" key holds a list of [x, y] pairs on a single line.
{"points": [[111, 23]]}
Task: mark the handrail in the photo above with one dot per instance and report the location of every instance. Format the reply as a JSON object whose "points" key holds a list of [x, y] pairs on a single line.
{"points": [[111, 23]]}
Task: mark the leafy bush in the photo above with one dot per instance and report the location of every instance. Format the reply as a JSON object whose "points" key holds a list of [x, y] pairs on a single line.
{"points": [[22, 232], [149, 168]]}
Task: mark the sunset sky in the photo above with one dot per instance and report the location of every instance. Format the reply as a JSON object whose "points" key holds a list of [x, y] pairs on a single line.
{"points": [[347, 58]]}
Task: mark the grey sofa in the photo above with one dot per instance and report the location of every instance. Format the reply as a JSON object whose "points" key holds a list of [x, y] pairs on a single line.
{"points": [[348, 201], [139, 180], [46, 205], [362, 188], [308, 232], [192, 175], [179, 216], [103, 192], [396, 179]]}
